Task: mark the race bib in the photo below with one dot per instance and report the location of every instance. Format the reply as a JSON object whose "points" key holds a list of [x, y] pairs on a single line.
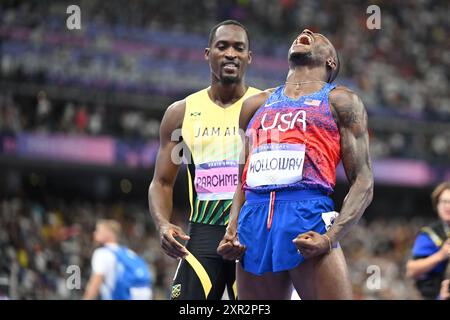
{"points": [[276, 164], [328, 218], [216, 180]]}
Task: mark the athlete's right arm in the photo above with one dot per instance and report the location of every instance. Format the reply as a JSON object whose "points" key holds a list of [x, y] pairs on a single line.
{"points": [[160, 192], [93, 286], [229, 247], [418, 267]]}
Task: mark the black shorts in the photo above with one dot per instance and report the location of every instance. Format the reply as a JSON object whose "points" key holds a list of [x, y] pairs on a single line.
{"points": [[204, 275]]}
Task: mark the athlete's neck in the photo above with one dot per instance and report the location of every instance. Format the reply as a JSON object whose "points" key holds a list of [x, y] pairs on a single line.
{"points": [[110, 243], [303, 80], [225, 95]]}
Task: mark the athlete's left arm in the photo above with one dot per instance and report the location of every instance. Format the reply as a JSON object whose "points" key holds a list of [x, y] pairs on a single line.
{"points": [[230, 248], [352, 121], [351, 117], [93, 286]]}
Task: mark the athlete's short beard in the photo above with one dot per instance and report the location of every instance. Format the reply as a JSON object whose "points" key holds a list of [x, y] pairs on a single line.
{"points": [[229, 79], [297, 58]]}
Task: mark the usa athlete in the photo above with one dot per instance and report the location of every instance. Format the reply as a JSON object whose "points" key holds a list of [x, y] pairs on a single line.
{"points": [[282, 213]]}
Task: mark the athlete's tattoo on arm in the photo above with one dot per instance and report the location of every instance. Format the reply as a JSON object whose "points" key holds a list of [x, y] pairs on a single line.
{"points": [[354, 138], [352, 121]]}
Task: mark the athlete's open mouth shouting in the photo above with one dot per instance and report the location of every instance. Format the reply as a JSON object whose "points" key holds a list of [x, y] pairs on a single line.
{"points": [[304, 39]]}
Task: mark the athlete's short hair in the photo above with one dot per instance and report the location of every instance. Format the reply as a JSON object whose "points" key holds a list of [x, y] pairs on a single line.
{"points": [[112, 225], [212, 33], [436, 194]]}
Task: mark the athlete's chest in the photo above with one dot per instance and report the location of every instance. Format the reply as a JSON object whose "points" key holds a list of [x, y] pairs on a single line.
{"points": [[211, 124], [301, 117]]}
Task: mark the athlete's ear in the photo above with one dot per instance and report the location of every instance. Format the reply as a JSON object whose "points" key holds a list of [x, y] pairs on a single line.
{"points": [[207, 51], [331, 63], [250, 57]]}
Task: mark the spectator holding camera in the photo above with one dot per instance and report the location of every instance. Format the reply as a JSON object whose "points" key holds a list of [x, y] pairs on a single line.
{"points": [[431, 249]]}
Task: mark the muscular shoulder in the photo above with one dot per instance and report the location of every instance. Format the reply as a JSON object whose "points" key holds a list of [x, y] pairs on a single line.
{"points": [[424, 245], [343, 97], [172, 120], [173, 117], [252, 104], [101, 259], [258, 99], [347, 107], [102, 252]]}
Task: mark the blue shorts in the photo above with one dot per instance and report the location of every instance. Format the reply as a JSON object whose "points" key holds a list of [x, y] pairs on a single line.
{"points": [[269, 222]]}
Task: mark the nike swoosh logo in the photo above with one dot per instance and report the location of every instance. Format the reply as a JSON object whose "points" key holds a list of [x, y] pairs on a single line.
{"points": [[268, 105]]}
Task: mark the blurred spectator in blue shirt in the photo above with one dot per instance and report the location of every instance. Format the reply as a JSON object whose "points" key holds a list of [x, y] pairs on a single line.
{"points": [[431, 251]]}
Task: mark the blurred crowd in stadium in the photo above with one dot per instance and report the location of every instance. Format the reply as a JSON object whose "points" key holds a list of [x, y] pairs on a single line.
{"points": [[145, 43], [155, 48], [42, 240], [40, 114]]}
